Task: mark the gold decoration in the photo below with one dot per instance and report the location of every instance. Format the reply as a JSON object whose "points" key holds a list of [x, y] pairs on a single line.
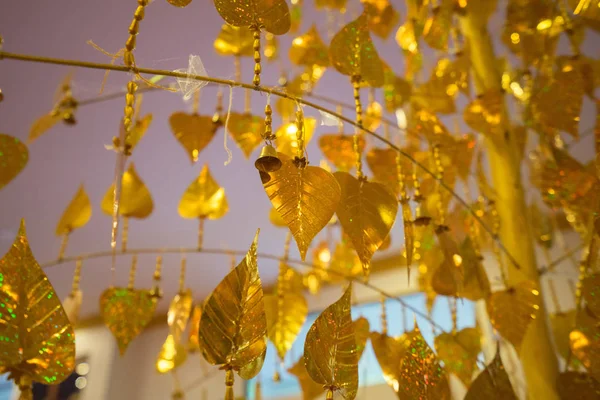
{"points": [[367, 211], [309, 49], [333, 4], [14, 156], [38, 342], [382, 17], [562, 324], [179, 313], [204, 198], [286, 312], [245, 130], [287, 141], [585, 342], [396, 90], [382, 162], [276, 219], [330, 351], [344, 262], [305, 197], [388, 351], [475, 284], [137, 132], [361, 334], [135, 202], [577, 385], [484, 114], [234, 41], [193, 344], [194, 132], [459, 351], [273, 15], [492, 383], [180, 3], [437, 27], [77, 213], [591, 293], [339, 150], [372, 118], [171, 356], [310, 389]]}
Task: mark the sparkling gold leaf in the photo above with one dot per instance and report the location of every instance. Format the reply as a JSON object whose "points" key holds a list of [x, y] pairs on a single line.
{"points": [[372, 118], [287, 140], [194, 132], [388, 351], [353, 53], [234, 41], [459, 352], [406, 37], [179, 313], [367, 211], [136, 201], [382, 17], [180, 3], [286, 312], [171, 356], [591, 293], [43, 124], [138, 131], [333, 4], [310, 389], [361, 334], [193, 344], [14, 155], [330, 351], [77, 213], [382, 163], [484, 114], [492, 383], [126, 312], [387, 242], [437, 27], [512, 310], [309, 49], [38, 340], [562, 324], [344, 262], [585, 341], [396, 90], [273, 15], [233, 326], [475, 285], [305, 198], [245, 130], [577, 385], [339, 150], [290, 280], [433, 96], [204, 198], [426, 124]]}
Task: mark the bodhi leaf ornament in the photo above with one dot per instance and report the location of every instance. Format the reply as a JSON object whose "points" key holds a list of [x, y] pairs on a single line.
{"points": [[204, 198], [244, 129], [14, 157], [286, 312], [136, 201], [234, 41], [77, 213], [193, 131], [273, 15], [492, 383], [173, 353]]}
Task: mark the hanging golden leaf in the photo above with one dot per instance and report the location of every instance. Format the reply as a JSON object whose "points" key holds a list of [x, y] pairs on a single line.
{"points": [[38, 340], [179, 3], [361, 334], [310, 389], [330, 351], [512, 310], [577, 385], [388, 351], [433, 96], [286, 312], [382, 163], [290, 280], [309, 49], [458, 351], [562, 324], [305, 197], [136, 201], [344, 262], [194, 132], [138, 131], [287, 140], [353, 53], [382, 17], [233, 326], [126, 312], [333, 4], [448, 279], [273, 15], [171, 356], [585, 341], [424, 123], [204, 198], [276, 219], [77, 213], [339, 150], [43, 124], [387, 242], [591, 293], [396, 91], [179, 313], [367, 211], [245, 130], [372, 118], [406, 37], [193, 344], [492, 383], [436, 31], [234, 41], [14, 155], [475, 285], [484, 114]]}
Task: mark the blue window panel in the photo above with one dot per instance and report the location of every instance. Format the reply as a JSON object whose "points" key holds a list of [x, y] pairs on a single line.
{"points": [[6, 388]]}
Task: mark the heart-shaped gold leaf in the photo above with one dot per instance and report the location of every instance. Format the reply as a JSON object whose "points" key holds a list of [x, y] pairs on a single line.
{"points": [[309, 49], [484, 114], [180, 3], [179, 314], [339, 150], [171, 356], [287, 140], [276, 219], [135, 202], [273, 15], [305, 197], [194, 132], [193, 344], [344, 262], [475, 285], [286, 312], [38, 340], [138, 131], [388, 351], [14, 155], [290, 280], [245, 130], [77, 213], [512, 310], [204, 198], [396, 90], [406, 37], [234, 41], [591, 293], [577, 385], [233, 326], [448, 279], [492, 383], [353, 53], [382, 163], [437, 27], [372, 117], [330, 351], [382, 17], [310, 389], [367, 211], [126, 312], [459, 352], [361, 334]]}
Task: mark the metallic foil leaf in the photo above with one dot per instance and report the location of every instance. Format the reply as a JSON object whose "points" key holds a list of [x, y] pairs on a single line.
{"points": [[234, 41], [542, 226], [287, 139], [372, 118], [591, 293], [138, 131], [562, 324], [194, 132], [458, 351], [180, 3], [77, 213], [436, 31], [273, 15], [245, 130], [38, 342], [396, 90], [388, 351], [367, 211], [333, 4], [126, 312], [433, 96], [475, 285], [135, 202], [361, 334], [382, 163], [330, 351], [585, 341], [310, 389], [387, 242], [286, 312], [344, 262], [381, 16], [43, 124], [276, 219], [309, 49], [290, 280], [171, 356], [492, 383], [305, 197], [353, 53], [512, 310], [179, 313], [14, 155], [193, 344], [424, 123], [339, 150], [484, 114], [406, 37], [577, 385], [204, 198], [233, 326]]}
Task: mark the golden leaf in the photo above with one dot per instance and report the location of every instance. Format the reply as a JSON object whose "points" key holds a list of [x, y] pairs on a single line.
{"points": [[38, 340], [138, 131], [286, 312], [290, 280], [234, 41], [330, 351], [475, 285], [437, 27], [585, 341], [492, 383], [310, 389], [433, 96], [562, 324], [591, 293], [484, 114], [179, 313], [333, 4], [193, 344], [14, 155], [194, 132], [305, 198], [276, 219], [577, 385], [126, 312], [43, 124], [171, 356], [382, 163], [512, 310], [353, 53], [388, 351], [179, 3], [309, 49], [361, 334], [287, 140], [542, 226], [459, 352], [407, 38], [233, 326], [204, 198], [245, 130], [382, 17], [367, 211], [387, 242], [77, 213], [273, 15], [396, 90], [344, 262], [135, 202], [339, 150], [372, 118], [426, 124]]}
